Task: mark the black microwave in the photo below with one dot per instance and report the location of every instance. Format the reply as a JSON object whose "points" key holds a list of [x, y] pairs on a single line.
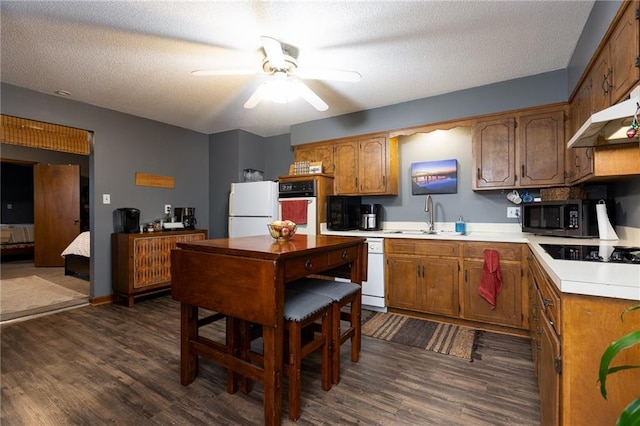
{"points": [[570, 218], [343, 212]]}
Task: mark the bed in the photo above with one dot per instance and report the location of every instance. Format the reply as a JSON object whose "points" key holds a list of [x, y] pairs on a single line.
{"points": [[77, 256], [16, 239]]}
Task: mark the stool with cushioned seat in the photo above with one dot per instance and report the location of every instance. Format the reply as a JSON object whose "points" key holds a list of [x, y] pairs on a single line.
{"points": [[343, 294], [302, 312]]}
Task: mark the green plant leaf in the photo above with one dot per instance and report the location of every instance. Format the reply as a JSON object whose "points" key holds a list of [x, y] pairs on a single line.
{"points": [[610, 353], [631, 414], [629, 309]]}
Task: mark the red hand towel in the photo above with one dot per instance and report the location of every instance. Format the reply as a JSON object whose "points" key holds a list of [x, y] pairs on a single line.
{"points": [[491, 281], [295, 211]]}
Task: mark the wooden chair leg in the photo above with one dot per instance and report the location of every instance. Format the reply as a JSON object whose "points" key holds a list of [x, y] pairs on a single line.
{"points": [[327, 352], [356, 323], [294, 366]]}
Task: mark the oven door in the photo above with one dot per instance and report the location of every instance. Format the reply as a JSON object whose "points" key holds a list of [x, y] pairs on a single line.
{"points": [[311, 227]]}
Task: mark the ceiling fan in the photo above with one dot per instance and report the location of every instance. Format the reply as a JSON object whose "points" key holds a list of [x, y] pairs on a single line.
{"points": [[281, 64]]}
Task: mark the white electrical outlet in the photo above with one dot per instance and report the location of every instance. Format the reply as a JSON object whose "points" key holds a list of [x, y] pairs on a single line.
{"points": [[106, 199], [167, 209], [513, 212]]}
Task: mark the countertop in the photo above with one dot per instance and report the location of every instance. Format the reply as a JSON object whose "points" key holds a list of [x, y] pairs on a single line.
{"points": [[603, 279]]}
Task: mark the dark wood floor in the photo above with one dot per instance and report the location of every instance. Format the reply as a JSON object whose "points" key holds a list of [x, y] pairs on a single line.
{"points": [[116, 365]]}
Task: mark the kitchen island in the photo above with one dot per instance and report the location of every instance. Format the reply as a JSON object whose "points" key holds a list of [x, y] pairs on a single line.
{"points": [[244, 279]]}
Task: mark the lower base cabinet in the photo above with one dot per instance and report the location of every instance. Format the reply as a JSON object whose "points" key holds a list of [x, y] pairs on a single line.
{"points": [[428, 282], [442, 277], [510, 308], [570, 333], [141, 263]]}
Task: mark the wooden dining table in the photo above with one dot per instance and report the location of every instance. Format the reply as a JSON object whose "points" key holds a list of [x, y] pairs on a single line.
{"points": [[244, 279]]}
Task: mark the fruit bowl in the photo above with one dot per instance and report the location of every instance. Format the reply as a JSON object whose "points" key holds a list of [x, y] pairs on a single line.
{"points": [[282, 230]]}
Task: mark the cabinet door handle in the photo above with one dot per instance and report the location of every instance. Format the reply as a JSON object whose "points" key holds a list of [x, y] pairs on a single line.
{"points": [[418, 271], [522, 171], [423, 271], [547, 302], [478, 174]]}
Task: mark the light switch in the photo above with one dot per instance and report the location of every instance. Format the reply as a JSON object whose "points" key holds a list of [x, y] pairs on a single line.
{"points": [[106, 198]]}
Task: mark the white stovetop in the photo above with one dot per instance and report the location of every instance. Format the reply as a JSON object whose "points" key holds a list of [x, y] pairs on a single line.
{"points": [[587, 278]]}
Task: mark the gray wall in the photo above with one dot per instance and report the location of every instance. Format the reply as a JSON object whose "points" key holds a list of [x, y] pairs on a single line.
{"points": [[233, 151], [123, 145], [526, 92]]}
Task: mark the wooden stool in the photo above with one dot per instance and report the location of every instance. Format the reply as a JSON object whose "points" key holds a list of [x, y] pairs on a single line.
{"points": [[302, 312], [342, 294]]}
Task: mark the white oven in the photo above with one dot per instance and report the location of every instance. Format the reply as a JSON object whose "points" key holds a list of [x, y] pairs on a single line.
{"points": [[310, 227], [299, 194]]}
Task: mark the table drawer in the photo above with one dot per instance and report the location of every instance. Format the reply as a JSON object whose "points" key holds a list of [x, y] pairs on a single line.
{"points": [[303, 266], [338, 257]]}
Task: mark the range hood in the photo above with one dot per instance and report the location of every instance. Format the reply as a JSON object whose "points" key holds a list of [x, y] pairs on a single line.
{"points": [[609, 126]]}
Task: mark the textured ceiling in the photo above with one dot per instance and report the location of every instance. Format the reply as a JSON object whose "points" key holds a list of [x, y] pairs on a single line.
{"points": [[137, 57]]}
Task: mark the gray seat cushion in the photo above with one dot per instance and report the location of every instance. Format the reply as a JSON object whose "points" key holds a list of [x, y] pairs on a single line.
{"points": [[299, 305], [335, 290]]}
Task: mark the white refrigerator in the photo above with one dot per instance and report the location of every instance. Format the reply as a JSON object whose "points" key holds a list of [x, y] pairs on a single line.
{"points": [[252, 205]]}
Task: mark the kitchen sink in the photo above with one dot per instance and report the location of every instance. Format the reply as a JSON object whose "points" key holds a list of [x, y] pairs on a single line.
{"points": [[422, 232]]}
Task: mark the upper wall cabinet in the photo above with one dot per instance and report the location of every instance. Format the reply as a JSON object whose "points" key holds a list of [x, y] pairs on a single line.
{"points": [[360, 166], [614, 72], [520, 150], [316, 152], [616, 69]]}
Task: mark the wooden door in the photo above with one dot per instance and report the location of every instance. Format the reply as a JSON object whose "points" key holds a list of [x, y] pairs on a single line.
{"points": [[494, 153], [373, 166], [346, 168], [541, 149], [403, 281], [56, 206], [624, 49], [441, 286], [508, 310]]}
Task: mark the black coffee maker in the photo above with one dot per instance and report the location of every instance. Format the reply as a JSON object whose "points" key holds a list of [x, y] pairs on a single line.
{"points": [[186, 215]]}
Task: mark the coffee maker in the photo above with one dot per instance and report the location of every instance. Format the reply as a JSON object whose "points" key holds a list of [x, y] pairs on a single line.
{"points": [[371, 217], [186, 215]]}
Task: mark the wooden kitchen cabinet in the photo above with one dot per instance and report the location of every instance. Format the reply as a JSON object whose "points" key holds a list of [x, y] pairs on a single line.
{"points": [[524, 149], [569, 338], [614, 72], [511, 303], [141, 263], [424, 276], [616, 69], [316, 152], [367, 166]]}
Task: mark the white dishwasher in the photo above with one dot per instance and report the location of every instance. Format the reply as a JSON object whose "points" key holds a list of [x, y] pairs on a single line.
{"points": [[373, 289]]}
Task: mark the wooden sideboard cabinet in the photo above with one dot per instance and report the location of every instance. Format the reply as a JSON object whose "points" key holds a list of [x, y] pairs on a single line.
{"points": [[141, 263]]}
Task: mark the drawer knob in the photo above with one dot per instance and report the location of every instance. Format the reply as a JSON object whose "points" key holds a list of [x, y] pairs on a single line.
{"points": [[308, 264], [345, 255]]}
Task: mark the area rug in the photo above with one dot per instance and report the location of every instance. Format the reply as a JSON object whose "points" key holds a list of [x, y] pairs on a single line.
{"points": [[448, 339], [24, 296]]}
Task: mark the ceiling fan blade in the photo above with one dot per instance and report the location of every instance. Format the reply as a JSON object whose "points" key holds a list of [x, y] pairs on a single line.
{"points": [[337, 75], [273, 49], [224, 72], [256, 98], [309, 96]]}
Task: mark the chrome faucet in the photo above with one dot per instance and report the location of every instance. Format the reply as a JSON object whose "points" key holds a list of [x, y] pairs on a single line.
{"points": [[428, 208]]}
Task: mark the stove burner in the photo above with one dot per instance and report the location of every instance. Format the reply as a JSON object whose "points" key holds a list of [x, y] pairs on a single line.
{"points": [[612, 254]]}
